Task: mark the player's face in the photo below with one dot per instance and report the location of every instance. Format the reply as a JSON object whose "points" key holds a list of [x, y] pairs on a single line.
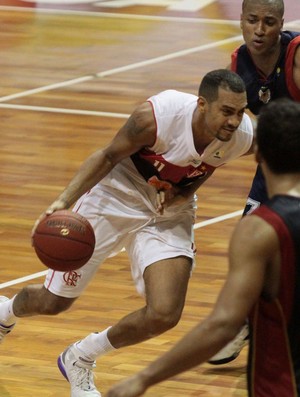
{"points": [[223, 116], [261, 25]]}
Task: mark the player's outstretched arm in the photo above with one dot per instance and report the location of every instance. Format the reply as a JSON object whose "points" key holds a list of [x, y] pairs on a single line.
{"points": [[139, 131], [249, 258]]}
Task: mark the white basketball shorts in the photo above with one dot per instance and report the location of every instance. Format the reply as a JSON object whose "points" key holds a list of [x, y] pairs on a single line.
{"points": [[122, 220]]}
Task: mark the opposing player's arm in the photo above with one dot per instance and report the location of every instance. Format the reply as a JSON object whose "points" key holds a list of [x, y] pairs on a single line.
{"points": [[251, 251]]}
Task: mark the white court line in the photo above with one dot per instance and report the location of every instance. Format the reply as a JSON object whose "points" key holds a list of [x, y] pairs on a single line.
{"points": [[64, 111], [173, 55], [217, 219], [23, 279], [196, 226], [132, 66], [107, 73], [46, 88], [130, 16], [190, 5], [121, 15]]}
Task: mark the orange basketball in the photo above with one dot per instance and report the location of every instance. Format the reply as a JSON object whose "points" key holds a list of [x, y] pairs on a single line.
{"points": [[64, 240]]}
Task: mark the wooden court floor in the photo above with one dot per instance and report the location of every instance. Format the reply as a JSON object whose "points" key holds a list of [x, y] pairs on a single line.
{"points": [[71, 73]]}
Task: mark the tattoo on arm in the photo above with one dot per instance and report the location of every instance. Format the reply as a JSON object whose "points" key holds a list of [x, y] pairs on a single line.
{"points": [[139, 128]]}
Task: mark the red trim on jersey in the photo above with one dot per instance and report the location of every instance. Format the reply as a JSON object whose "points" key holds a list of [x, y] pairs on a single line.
{"points": [[53, 273], [154, 119], [172, 172], [289, 66], [272, 373], [287, 250], [234, 57]]}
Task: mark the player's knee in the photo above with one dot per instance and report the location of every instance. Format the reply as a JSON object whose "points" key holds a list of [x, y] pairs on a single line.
{"points": [[160, 321]]}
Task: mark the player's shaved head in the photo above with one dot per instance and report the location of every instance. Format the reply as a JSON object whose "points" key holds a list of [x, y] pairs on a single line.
{"points": [[277, 5]]}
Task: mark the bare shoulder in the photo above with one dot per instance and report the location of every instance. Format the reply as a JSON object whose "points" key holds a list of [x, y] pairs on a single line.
{"points": [[138, 132], [141, 125], [254, 236]]}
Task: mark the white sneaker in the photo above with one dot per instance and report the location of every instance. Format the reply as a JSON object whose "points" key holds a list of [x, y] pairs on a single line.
{"points": [[232, 349], [4, 329], [78, 372]]}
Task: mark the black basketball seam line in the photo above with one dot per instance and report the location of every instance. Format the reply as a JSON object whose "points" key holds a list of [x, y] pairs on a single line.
{"points": [[64, 237], [60, 259], [70, 215]]}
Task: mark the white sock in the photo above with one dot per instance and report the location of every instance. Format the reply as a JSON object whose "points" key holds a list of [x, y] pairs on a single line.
{"points": [[95, 345], [7, 316]]}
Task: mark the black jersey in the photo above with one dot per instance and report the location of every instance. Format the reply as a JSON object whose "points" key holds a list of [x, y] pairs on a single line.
{"points": [[261, 89], [274, 355], [280, 83]]}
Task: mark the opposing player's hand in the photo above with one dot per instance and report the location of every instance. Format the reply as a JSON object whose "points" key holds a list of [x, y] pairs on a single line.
{"points": [[131, 387], [55, 206]]}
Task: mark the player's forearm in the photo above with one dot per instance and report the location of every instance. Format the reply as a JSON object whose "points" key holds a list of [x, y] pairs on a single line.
{"points": [[94, 168], [189, 190], [195, 348]]}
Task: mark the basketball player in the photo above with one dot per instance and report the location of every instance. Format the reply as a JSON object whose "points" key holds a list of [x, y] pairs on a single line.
{"points": [[263, 282], [138, 193], [269, 64]]}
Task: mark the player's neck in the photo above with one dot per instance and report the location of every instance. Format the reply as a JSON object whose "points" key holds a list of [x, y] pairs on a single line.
{"points": [[288, 184], [201, 138], [266, 62]]}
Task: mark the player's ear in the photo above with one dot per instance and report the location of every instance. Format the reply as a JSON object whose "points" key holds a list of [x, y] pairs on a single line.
{"points": [[201, 103]]}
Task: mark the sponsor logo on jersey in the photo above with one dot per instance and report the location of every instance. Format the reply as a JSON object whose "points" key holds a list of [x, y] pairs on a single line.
{"points": [[195, 162], [219, 154]]}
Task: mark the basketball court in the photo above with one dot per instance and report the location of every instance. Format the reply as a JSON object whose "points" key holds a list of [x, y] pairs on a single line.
{"points": [[71, 73]]}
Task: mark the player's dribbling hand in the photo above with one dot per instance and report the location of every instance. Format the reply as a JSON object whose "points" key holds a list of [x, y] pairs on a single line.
{"points": [[131, 387], [55, 206]]}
